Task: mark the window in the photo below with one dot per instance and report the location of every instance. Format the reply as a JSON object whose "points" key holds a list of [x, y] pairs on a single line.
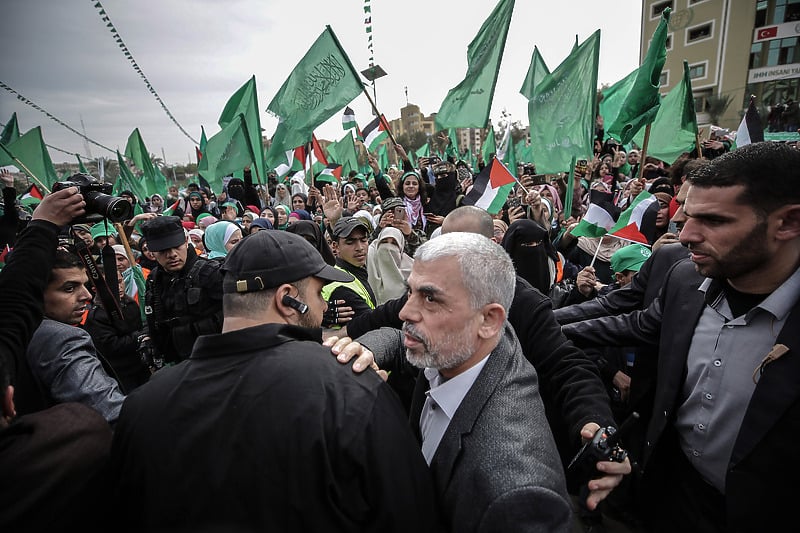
{"points": [[700, 33], [761, 13], [659, 7], [700, 103], [698, 70], [663, 81], [756, 55], [783, 52]]}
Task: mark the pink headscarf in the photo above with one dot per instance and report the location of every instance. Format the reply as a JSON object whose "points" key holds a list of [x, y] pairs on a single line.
{"points": [[556, 198]]}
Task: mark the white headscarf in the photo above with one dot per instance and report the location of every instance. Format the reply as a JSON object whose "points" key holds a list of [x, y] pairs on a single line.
{"points": [[388, 267]]}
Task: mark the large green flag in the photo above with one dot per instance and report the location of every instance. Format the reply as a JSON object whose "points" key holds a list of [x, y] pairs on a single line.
{"points": [[562, 110], [641, 104], [32, 152], [321, 84], [489, 146], [9, 135], [674, 129], [467, 105], [536, 73], [613, 98], [226, 152], [127, 181], [154, 181], [245, 102]]}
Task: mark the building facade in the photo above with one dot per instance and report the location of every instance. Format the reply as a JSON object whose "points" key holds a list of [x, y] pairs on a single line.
{"points": [[734, 48]]}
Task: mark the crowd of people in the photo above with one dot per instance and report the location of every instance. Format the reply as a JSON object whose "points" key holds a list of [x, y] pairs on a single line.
{"points": [[377, 355]]}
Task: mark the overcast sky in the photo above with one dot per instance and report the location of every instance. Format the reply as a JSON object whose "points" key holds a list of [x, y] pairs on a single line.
{"points": [[196, 53]]}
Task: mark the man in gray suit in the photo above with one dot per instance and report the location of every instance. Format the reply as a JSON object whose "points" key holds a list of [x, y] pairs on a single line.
{"points": [[476, 408]]}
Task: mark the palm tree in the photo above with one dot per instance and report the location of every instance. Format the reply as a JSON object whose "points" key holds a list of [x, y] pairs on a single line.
{"points": [[716, 106]]}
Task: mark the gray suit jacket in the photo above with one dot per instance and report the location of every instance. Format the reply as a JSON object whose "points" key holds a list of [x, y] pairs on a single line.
{"points": [[65, 368], [496, 467]]}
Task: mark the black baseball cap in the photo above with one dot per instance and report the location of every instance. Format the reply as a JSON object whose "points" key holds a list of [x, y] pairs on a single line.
{"points": [[268, 259], [163, 233], [347, 225]]}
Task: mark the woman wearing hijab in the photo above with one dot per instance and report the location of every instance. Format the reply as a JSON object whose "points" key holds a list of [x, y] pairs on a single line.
{"points": [[534, 256], [282, 196], [388, 267], [310, 231], [220, 238], [260, 224], [156, 204], [195, 205], [270, 214], [282, 214]]}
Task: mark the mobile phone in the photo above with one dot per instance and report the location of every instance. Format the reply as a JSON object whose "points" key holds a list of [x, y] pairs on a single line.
{"points": [[399, 213], [673, 227], [582, 165], [514, 202]]}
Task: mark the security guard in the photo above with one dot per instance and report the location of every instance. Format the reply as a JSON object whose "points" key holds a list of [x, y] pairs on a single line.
{"points": [[183, 299]]}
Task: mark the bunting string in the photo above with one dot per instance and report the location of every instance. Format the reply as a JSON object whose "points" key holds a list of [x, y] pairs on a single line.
{"points": [[53, 118], [129, 56], [368, 29]]}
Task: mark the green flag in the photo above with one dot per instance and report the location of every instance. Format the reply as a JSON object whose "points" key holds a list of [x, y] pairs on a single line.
{"points": [[536, 73], [570, 189], [452, 147], [81, 167], [509, 154], [154, 181], [383, 157], [489, 146], [674, 129], [9, 135], [343, 151], [524, 152], [467, 105], [203, 140], [32, 152], [245, 102], [562, 110], [127, 181], [226, 152], [321, 84], [613, 98], [423, 151], [641, 104]]}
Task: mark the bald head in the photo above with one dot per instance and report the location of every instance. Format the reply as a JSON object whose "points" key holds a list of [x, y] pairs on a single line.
{"points": [[469, 219]]}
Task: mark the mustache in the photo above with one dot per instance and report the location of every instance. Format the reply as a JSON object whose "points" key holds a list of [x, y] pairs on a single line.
{"points": [[412, 331]]}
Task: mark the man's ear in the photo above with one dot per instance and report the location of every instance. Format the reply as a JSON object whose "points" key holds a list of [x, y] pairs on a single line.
{"points": [[285, 311], [788, 218], [494, 316], [619, 277]]}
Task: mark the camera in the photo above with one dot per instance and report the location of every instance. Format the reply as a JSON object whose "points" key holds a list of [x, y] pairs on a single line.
{"points": [[99, 202], [604, 446], [441, 168], [529, 169], [147, 354]]}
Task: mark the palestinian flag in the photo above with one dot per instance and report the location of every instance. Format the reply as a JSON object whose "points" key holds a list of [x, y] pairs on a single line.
{"points": [[4, 254], [349, 119], [330, 174], [750, 130], [638, 222], [491, 187], [375, 132], [599, 218], [171, 209], [313, 158], [31, 196]]}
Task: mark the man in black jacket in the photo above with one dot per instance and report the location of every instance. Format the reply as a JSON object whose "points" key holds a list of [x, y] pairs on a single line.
{"points": [[184, 293]]}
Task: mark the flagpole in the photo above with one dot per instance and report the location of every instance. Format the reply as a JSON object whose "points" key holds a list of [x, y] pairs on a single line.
{"points": [[380, 117], [644, 145], [596, 251], [26, 169]]}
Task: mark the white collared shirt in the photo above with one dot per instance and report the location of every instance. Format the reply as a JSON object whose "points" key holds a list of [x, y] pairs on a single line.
{"points": [[441, 402]]}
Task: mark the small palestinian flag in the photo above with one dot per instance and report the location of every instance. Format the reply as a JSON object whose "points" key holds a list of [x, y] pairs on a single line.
{"points": [[491, 187], [31, 196], [375, 132], [750, 129], [349, 119], [330, 174], [171, 209], [600, 217], [638, 222]]}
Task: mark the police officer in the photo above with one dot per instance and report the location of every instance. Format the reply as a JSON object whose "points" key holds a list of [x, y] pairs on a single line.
{"points": [[184, 293]]}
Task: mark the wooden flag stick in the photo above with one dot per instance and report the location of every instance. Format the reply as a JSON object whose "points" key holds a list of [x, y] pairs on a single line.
{"points": [[644, 146], [378, 113]]}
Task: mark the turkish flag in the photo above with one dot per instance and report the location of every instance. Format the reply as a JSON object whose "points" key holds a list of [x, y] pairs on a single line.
{"points": [[768, 33]]}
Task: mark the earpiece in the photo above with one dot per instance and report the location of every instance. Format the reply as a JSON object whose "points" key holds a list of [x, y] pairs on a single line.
{"points": [[294, 303]]}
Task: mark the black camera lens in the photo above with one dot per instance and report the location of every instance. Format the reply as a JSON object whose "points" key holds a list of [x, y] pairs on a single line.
{"points": [[111, 207]]}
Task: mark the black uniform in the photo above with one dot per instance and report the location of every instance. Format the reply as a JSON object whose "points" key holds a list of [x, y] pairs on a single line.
{"points": [[180, 307], [261, 429]]}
